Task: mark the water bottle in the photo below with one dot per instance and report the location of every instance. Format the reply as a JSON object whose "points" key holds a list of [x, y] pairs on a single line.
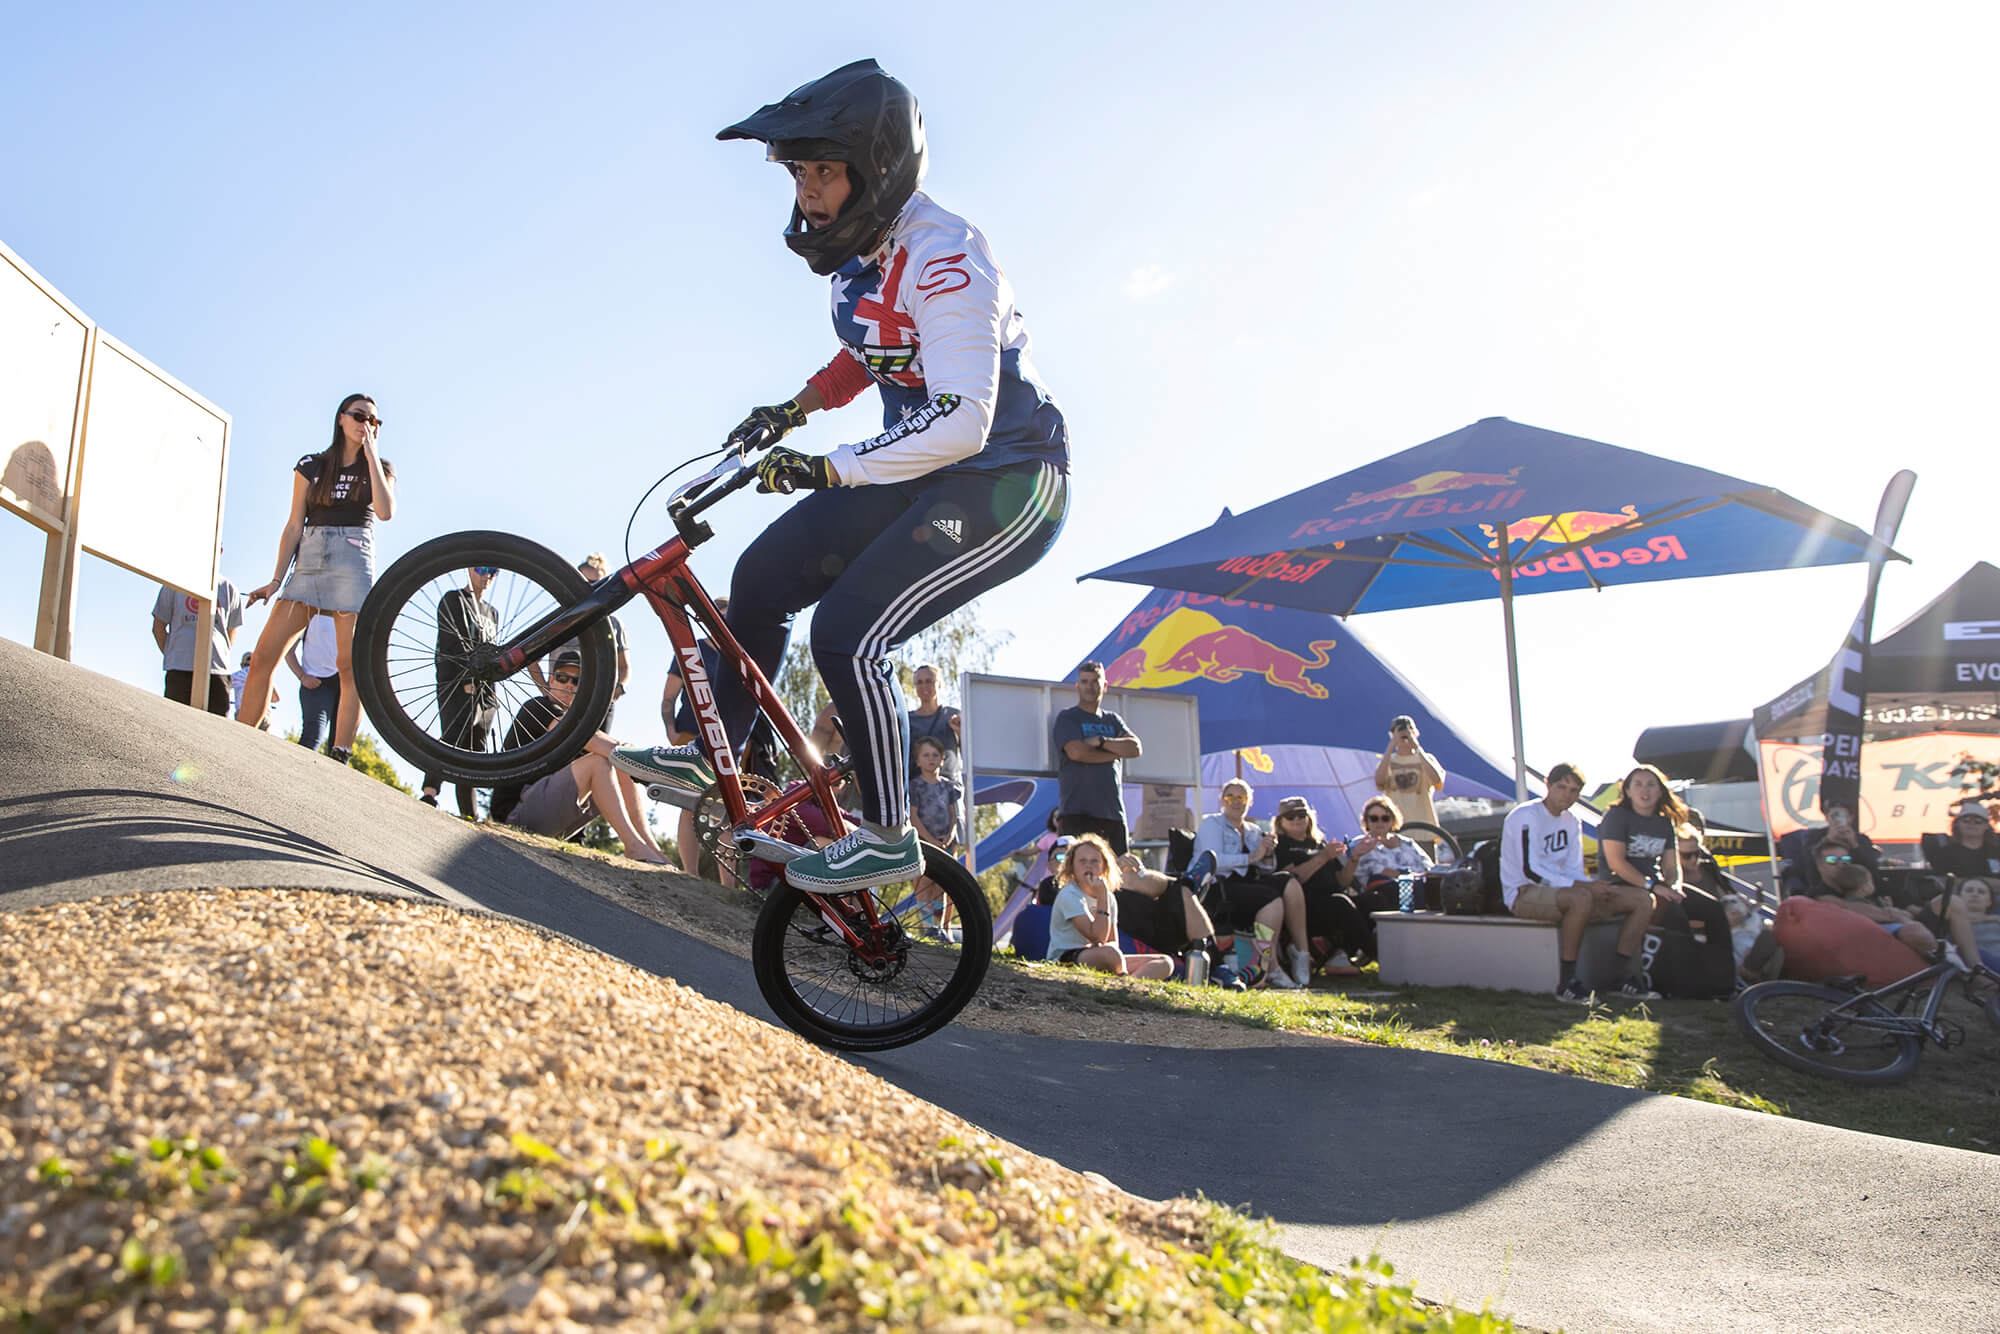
{"points": [[1406, 892], [1197, 968]]}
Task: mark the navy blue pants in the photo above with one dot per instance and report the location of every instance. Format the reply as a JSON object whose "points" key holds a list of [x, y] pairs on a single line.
{"points": [[883, 563], [317, 708]]}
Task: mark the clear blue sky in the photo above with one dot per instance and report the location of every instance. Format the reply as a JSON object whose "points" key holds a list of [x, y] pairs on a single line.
{"points": [[1253, 251]]}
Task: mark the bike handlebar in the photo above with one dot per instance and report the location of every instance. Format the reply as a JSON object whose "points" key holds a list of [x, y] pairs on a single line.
{"points": [[733, 474]]}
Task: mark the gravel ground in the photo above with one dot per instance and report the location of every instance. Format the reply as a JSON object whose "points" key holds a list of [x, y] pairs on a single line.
{"points": [[235, 1108]]}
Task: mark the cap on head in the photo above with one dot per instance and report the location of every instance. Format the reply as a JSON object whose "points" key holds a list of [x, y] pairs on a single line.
{"points": [[1293, 806]]}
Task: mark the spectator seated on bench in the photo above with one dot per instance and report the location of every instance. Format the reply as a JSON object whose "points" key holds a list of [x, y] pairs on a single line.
{"points": [[1543, 879]]}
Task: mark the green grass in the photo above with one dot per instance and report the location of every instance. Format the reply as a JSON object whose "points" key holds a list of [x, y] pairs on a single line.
{"points": [[1683, 1047], [728, 1259]]}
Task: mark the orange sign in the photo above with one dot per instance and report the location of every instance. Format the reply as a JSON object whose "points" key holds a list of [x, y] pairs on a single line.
{"points": [[1907, 787]]}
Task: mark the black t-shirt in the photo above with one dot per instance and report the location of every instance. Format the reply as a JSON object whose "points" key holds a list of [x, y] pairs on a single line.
{"points": [[1954, 858], [1646, 838], [1292, 851], [353, 503], [532, 723]]}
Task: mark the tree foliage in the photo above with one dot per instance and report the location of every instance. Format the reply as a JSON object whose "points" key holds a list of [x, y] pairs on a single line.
{"points": [[368, 758], [958, 643]]}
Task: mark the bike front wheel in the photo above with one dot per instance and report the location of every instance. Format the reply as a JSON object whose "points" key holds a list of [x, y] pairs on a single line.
{"points": [[423, 660], [1827, 1032], [932, 946]]}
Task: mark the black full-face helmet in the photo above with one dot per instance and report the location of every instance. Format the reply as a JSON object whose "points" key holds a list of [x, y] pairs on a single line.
{"points": [[857, 115]]}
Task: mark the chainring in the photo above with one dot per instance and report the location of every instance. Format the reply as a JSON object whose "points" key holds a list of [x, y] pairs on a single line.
{"points": [[713, 827]]}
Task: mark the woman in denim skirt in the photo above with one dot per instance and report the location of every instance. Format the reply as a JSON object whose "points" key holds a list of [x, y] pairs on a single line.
{"points": [[329, 548]]}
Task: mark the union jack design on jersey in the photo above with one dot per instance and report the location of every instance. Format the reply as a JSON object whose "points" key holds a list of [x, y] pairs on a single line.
{"points": [[929, 319], [866, 301]]}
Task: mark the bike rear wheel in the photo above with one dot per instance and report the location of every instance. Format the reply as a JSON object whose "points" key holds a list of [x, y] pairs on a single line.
{"points": [[1447, 851], [408, 662], [1794, 1024], [931, 959]]}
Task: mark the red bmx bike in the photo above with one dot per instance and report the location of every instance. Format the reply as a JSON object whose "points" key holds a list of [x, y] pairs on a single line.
{"points": [[861, 971]]}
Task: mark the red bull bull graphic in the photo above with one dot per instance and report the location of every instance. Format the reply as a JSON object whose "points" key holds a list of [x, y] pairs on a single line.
{"points": [[1192, 644], [1426, 497]]}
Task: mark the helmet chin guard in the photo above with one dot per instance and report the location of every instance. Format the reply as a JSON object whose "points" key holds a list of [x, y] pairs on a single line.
{"points": [[862, 117]]}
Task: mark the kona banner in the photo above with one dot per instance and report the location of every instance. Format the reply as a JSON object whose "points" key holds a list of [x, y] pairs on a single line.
{"points": [[1907, 787]]}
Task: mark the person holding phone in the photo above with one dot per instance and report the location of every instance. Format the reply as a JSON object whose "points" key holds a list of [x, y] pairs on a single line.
{"points": [[1407, 773]]}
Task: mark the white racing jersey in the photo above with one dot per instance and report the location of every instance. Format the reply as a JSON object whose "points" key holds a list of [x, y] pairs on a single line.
{"points": [[929, 318]]}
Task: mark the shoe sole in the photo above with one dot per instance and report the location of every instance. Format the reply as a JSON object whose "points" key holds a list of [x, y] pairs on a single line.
{"points": [[860, 880]]}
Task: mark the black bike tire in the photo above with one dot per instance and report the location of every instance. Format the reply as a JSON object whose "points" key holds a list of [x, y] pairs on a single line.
{"points": [[975, 921], [406, 736], [1743, 1011], [1424, 829]]}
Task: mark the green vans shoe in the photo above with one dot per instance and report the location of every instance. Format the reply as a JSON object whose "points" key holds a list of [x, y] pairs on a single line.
{"points": [[861, 860]]}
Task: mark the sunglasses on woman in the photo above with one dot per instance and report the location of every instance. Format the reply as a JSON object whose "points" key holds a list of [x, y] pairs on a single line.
{"points": [[488, 570], [1376, 819], [364, 418]]}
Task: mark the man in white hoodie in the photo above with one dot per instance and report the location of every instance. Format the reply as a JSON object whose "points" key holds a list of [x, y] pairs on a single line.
{"points": [[1542, 878]]}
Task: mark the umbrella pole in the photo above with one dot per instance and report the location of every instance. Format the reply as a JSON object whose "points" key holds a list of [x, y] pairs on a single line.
{"points": [[1513, 677]]}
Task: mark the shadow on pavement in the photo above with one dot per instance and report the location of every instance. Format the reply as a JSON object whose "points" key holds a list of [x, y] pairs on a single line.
{"points": [[93, 832]]}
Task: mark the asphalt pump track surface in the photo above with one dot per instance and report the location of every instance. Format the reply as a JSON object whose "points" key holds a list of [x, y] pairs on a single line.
{"points": [[1560, 1201]]}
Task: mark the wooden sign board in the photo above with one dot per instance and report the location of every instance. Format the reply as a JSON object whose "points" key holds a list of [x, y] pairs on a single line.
{"points": [[150, 497], [43, 342]]}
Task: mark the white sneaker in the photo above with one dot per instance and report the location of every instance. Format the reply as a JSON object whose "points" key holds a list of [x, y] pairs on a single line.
{"points": [[1300, 964], [1280, 980]]}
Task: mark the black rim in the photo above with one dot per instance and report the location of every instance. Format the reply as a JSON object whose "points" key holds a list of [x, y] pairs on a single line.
{"points": [[919, 958], [1800, 1023]]}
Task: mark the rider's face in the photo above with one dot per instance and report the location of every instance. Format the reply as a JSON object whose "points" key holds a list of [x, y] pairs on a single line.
{"points": [[822, 189]]}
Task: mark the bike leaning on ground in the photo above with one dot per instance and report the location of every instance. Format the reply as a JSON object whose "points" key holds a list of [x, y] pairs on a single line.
{"points": [[1863, 1037], [859, 970]]}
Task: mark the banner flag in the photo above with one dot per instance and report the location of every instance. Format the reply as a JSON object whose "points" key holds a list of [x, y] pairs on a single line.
{"points": [[1847, 694], [1907, 786]]}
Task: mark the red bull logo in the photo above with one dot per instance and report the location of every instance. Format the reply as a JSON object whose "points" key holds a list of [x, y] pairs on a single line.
{"points": [[1431, 484], [1191, 644], [1426, 497], [1665, 547], [1147, 617], [1559, 530]]}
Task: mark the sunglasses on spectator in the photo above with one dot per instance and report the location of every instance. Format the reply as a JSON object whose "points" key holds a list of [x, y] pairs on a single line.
{"points": [[565, 678], [364, 418], [1293, 815], [488, 570], [1378, 818]]}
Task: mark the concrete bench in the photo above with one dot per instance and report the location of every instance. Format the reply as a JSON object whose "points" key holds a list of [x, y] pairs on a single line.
{"points": [[1430, 949]]}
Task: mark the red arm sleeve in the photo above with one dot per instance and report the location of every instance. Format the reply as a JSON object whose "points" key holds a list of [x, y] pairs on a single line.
{"points": [[840, 380]]}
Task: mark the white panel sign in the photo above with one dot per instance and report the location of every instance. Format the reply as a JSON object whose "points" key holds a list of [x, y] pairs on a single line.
{"points": [[152, 471], [41, 375], [1009, 727]]}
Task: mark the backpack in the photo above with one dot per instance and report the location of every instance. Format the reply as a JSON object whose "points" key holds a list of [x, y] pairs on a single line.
{"points": [[1486, 857]]}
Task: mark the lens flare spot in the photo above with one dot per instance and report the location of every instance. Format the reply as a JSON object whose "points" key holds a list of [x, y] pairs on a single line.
{"points": [[185, 772]]}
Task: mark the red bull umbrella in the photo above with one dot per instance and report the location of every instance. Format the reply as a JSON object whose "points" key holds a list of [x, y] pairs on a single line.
{"points": [[1495, 510]]}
